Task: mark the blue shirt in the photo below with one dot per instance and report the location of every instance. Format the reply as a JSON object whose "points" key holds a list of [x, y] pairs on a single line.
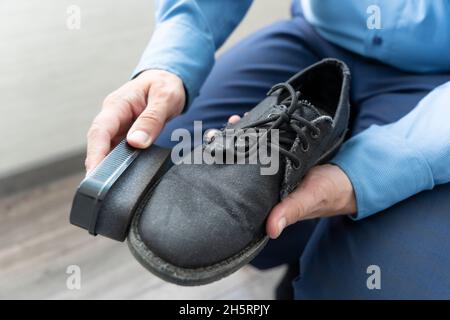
{"points": [[394, 161], [413, 35]]}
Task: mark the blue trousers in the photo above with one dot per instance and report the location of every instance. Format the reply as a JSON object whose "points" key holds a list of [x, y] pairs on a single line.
{"points": [[410, 242]]}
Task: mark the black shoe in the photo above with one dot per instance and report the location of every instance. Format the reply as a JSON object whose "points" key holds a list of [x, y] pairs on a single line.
{"points": [[203, 222]]}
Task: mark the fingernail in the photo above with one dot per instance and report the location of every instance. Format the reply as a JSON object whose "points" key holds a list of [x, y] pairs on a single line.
{"points": [[140, 137], [210, 134], [281, 225]]}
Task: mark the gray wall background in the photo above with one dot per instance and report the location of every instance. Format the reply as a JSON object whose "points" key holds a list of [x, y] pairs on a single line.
{"points": [[53, 80]]}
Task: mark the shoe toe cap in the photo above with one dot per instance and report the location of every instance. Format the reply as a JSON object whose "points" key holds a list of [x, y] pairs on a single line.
{"points": [[192, 220]]}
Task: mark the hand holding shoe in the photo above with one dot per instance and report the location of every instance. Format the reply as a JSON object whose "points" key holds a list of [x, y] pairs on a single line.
{"points": [[325, 191]]}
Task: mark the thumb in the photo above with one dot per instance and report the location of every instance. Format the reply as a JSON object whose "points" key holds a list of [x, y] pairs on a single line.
{"points": [[293, 208], [147, 127], [150, 122], [325, 191]]}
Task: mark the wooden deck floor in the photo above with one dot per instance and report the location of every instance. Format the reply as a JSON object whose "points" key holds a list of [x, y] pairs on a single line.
{"points": [[37, 244]]}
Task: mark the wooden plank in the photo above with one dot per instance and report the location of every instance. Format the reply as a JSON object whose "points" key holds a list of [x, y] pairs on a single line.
{"points": [[37, 244]]}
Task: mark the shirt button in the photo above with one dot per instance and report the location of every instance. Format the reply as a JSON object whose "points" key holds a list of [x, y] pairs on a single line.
{"points": [[377, 40]]}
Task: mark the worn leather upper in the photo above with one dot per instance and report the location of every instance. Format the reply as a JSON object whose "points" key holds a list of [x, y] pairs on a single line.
{"points": [[200, 214]]}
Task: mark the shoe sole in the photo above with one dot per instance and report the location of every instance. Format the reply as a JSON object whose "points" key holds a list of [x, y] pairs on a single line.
{"points": [[198, 276]]}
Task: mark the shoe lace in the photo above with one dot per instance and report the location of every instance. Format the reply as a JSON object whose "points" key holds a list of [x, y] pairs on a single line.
{"points": [[290, 121]]}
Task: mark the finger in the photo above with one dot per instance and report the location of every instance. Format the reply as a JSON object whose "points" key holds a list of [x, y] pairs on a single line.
{"points": [[293, 208], [151, 121], [210, 134], [97, 150], [234, 119], [103, 129], [112, 121]]}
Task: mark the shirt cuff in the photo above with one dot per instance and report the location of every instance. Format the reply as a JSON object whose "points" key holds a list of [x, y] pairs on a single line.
{"points": [[383, 170], [177, 48]]}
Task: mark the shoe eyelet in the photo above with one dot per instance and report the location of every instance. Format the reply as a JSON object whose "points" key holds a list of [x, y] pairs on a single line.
{"points": [[305, 149], [296, 166], [315, 135]]}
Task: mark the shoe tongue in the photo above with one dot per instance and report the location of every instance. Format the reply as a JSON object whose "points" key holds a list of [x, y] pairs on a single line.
{"points": [[308, 111], [305, 108]]}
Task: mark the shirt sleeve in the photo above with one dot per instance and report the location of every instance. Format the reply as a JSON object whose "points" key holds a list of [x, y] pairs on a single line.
{"points": [[387, 164], [186, 36]]}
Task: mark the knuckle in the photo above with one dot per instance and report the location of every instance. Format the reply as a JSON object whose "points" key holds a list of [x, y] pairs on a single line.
{"points": [[111, 99], [162, 75], [117, 98], [94, 130], [147, 76], [297, 206], [167, 93], [170, 99], [151, 116], [299, 210]]}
